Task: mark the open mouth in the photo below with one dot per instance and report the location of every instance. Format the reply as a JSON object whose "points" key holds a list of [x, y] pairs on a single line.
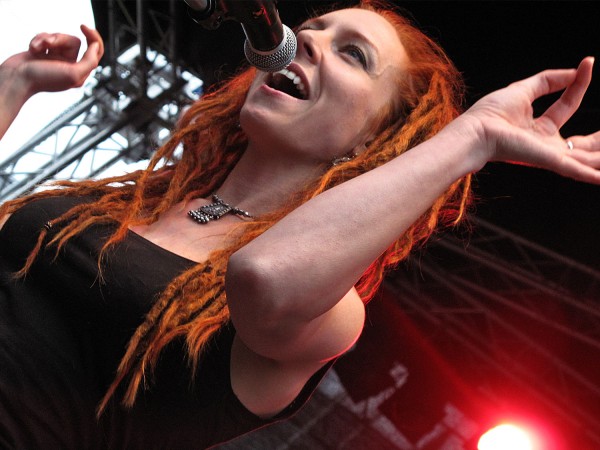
{"points": [[288, 82]]}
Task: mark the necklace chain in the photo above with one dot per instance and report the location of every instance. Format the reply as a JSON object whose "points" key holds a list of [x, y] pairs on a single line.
{"points": [[217, 209]]}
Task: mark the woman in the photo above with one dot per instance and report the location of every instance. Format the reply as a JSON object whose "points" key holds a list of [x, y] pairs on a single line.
{"points": [[186, 330]]}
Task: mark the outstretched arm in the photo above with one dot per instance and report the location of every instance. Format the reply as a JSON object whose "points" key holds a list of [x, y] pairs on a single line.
{"points": [[284, 288], [50, 64]]}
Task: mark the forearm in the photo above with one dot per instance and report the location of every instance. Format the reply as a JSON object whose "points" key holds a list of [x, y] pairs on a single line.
{"points": [[13, 94], [312, 257]]}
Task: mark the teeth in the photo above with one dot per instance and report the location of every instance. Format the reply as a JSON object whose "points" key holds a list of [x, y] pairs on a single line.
{"points": [[296, 80]]}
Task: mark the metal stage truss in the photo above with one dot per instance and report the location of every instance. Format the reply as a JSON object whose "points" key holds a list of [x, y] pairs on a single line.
{"points": [[518, 313], [127, 110]]}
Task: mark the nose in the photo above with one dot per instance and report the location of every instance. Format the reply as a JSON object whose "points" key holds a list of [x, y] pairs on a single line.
{"points": [[310, 45]]}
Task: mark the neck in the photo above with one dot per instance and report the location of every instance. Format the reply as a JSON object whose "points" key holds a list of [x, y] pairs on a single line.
{"points": [[261, 183]]}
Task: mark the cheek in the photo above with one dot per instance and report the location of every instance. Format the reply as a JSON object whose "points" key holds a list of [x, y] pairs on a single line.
{"points": [[354, 114]]}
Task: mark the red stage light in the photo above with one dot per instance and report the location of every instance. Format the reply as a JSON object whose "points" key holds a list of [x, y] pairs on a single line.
{"points": [[507, 437]]}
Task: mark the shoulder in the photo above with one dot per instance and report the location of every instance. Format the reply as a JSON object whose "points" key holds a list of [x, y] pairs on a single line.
{"points": [[42, 209]]}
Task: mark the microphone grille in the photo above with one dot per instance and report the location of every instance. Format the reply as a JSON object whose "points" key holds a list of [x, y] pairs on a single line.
{"points": [[277, 59]]}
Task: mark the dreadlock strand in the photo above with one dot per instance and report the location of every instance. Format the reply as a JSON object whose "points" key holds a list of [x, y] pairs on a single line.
{"points": [[32, 255], [182, 323], [144, 347], [131, 363], [199, 336]]}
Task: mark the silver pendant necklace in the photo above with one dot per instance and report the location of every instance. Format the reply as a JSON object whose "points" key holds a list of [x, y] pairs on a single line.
{"points": [[217, 209]]}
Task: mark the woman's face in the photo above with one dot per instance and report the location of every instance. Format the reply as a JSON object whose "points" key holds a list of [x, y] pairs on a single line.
{"points": [[325, 103]]}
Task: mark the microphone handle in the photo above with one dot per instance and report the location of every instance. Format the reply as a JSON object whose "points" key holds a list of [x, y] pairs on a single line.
{"points": [[260, 22], [270, 45]]}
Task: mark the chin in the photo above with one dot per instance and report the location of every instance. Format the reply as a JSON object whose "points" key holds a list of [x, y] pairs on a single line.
{"points": [[254, 121]]}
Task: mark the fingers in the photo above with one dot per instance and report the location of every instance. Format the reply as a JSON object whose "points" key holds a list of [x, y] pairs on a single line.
{"points": [[580, 171], [562, 110], [65, 48], [583, 161], [547, 82], [587, 143], [588, 159], [57, 46], [93, 54], [94, 41], [40, 43]]}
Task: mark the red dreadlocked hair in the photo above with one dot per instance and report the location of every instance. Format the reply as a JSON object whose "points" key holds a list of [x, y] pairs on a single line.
{"points": [[193, 306]]}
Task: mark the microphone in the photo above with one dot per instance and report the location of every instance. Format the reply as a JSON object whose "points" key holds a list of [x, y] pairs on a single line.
{"points": [[270, 46]]}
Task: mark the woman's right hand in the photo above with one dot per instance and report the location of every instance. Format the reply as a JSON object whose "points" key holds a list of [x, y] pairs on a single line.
{"points": [[50, 64]]}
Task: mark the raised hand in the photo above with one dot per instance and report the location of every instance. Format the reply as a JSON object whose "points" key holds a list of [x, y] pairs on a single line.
{"points": [[511, 133], [50, 64]]}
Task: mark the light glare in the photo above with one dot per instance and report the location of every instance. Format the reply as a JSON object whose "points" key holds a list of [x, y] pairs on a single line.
{"points": [[505, 437]]}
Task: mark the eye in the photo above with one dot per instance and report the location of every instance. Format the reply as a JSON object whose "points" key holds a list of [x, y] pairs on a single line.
{"points": [[356, 53]]}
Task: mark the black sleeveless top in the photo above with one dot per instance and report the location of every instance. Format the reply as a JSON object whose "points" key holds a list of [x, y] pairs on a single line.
{"points": [[63, 332]]}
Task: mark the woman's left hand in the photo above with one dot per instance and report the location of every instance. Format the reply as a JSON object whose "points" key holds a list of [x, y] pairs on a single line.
{"points": [[509, 132]]}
